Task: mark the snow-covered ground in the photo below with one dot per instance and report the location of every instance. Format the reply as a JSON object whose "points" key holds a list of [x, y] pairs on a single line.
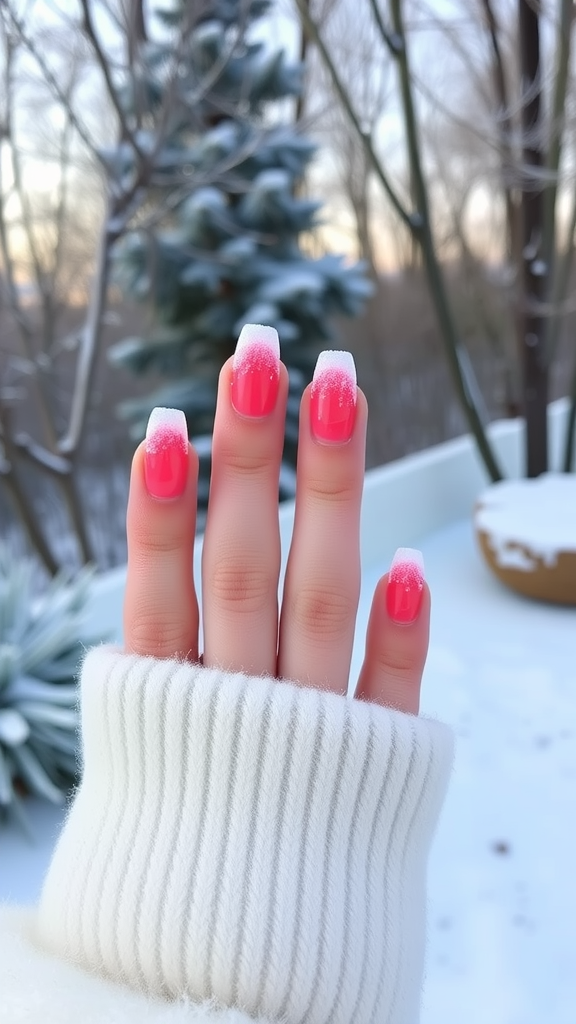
{"points": [[502, 671], [502, 894]]}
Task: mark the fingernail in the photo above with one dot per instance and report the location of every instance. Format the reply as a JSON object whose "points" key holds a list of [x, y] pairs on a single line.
{"points": [[256, 371], [166, 453], [405, 585], [333, 398]]}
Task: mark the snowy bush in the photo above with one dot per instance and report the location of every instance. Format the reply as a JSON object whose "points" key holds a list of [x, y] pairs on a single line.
{"points": [[40, 648]]}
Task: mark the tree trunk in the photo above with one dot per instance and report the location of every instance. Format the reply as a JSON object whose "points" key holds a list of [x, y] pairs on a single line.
{"points": [[534, 268]]}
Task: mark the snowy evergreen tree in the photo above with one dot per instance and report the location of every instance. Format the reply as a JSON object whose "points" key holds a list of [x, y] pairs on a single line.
{"points": [[224, 249]]}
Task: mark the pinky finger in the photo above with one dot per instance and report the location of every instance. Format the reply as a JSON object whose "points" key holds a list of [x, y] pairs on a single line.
{"points": [[397, 636]]}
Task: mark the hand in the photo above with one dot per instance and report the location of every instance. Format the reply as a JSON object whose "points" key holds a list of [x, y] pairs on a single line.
{"points": [[310, 641]]}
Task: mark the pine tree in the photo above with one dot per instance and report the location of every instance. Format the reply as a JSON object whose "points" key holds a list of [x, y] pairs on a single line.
{"points": [[228, 251]]}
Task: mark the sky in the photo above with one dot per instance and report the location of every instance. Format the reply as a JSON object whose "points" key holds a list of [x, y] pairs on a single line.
{"points": [[433, 59]]}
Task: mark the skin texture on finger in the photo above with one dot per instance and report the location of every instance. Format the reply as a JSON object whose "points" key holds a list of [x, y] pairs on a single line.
{"points": [[241, 551], [160, 605], [395, 655], [322, 585]]}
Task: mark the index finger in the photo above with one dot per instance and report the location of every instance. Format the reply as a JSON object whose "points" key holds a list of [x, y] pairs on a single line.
{"points": [[160, 604]]}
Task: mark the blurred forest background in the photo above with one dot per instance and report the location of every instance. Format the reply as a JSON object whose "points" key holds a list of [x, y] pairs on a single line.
{"points": [[434, 140]]}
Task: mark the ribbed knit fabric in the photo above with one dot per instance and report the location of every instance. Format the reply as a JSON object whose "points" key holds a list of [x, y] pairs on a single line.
{"points": [[249, 841]]}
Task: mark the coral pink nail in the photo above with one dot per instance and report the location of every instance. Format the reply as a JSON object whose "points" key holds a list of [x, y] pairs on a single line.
{"points": [[405, 585], [333, 398], [256, 371], [166, 453]]}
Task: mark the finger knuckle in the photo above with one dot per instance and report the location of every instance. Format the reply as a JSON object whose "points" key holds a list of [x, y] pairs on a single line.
{"points": [[247, 464], [396, 664], [157, 542], [241, 587], [334, 490], [165, 636], [323, 614]]}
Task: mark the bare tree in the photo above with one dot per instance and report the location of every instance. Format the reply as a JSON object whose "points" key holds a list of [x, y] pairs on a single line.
{"points": [[535, 270], [522, 164], [530, 147], [351, 37], [35, 251], [126, 165], [416, 219]]}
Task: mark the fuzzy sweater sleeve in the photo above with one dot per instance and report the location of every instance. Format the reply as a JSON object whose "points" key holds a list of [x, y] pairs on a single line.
{"points": [[249, 842]]}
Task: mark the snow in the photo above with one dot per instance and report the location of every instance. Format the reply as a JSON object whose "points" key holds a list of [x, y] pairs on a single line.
{"points": [[539, 515], [272, 180], [502, 896], [208, 198], [293, 282], [14, 728], [24, 857]]}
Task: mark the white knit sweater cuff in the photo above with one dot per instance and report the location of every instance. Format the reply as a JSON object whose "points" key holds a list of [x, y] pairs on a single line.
{"points": [[248, 841]]}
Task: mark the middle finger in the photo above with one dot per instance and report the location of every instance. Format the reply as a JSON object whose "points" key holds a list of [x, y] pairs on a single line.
{"points": [[241, 551]]}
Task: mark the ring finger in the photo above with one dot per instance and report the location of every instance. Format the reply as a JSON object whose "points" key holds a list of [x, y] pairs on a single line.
{"points": [[322, 585]]}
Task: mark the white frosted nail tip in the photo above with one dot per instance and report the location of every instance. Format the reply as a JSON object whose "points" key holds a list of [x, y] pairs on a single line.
{"points": [[331, 361], [407, 567], [335, 371], [165, 427], [257, 340]]}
